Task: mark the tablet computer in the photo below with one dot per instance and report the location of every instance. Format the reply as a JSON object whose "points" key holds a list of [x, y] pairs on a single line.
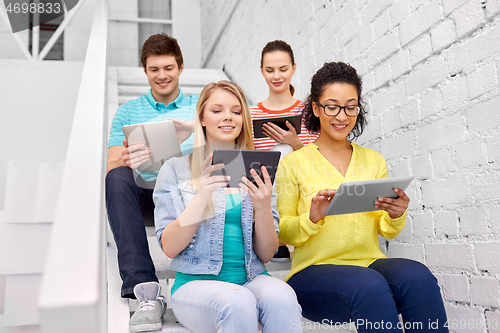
{"points": [[159, 136], [280, 121], [360, 196], [239, 162]]}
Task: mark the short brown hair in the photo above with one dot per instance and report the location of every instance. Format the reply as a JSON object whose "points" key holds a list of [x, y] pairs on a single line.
{"points": [[161, 44]]}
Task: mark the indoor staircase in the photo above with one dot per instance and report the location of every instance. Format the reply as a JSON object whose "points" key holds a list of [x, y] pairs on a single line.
{"points": [[25, 225], [31, 195]]}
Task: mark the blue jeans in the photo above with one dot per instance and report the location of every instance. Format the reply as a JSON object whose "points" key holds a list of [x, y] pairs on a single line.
{"points": [[213, 306], [372, 297], [127, 203]]}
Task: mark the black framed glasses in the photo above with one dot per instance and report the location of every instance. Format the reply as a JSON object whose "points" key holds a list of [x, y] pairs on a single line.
{"points": [[332, 109]]}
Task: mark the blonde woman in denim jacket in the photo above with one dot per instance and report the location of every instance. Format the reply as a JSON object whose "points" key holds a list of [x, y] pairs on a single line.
{"points": [[219, 237]]}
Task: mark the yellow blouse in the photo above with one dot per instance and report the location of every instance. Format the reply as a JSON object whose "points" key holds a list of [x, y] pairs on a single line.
{"points": [[349, 239]]}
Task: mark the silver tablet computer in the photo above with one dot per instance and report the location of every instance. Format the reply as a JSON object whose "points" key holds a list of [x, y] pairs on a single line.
{"points": [[239, 162], [279, 121], [360, 196], [160, 137]]}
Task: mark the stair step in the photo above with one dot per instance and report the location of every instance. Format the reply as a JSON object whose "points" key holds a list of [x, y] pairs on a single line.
{"points": [[20, 307], [189, 77], [3, 283], [137, 90], [118, 308], [128, 95], [23, 248], [31, 191], [170, 324]]}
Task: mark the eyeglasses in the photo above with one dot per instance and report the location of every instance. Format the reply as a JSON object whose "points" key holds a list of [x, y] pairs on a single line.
{"points": [[332, 110]]}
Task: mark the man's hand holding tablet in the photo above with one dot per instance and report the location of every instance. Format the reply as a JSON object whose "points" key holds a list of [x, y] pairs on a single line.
{"points": [[153, 143], [135, 155]]}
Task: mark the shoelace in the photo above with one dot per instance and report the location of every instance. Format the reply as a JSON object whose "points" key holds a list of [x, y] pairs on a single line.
{"points": [[147, 305]]}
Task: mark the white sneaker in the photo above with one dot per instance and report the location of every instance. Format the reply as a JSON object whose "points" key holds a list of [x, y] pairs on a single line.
{"points": [[151, 307]]}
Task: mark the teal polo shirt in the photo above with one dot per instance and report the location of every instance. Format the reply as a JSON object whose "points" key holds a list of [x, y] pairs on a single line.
{"points": [[146, 109]]}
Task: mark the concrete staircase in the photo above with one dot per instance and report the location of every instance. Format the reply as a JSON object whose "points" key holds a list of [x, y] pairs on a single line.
{"points": [[30, 198], [31, 193]]}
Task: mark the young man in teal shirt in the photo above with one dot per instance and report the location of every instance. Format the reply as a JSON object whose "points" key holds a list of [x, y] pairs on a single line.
{"points": [[128, 192]]}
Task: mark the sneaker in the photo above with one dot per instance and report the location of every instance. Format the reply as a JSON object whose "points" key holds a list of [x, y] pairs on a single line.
{"points": [[283, 254], [151, 307]]}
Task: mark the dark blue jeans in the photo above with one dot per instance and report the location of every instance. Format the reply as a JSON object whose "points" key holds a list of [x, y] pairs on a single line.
{"points": [[372, 297], [127, 204]]}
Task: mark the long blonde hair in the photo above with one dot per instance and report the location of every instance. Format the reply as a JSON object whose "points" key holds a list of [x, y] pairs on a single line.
{"points": [[243, 141]]}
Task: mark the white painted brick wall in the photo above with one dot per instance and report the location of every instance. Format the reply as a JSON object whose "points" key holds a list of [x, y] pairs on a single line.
{"points": [[443, 35], [431, 103], [493, 322], [458, 318], [456, 288], [468, 18], [430, 74], [422, 225], [446, 224], [482, 81], [470, 153], [420, 50], [473, 221], [449, 255], [485, 291], [486, 254], [495, 220]]}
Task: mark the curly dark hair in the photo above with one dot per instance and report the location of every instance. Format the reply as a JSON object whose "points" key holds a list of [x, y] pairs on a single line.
{"points": [[333, 72]]}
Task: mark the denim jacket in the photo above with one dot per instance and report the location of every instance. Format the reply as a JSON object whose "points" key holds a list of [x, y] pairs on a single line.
{"points": [[173, 192]]}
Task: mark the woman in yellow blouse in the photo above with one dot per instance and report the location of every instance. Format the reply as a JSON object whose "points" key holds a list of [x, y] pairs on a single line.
{"points": [[338, 271]]}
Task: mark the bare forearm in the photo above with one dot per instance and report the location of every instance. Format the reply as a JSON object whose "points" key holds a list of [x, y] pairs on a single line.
{"points": [[297, 144], [114, 159], [266, 239], [178, 234], [110, 165]]}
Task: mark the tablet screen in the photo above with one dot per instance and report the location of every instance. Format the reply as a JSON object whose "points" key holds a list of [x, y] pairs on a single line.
{"points": [[239, 162], [279, 121], [360, 196], [160, 137]]}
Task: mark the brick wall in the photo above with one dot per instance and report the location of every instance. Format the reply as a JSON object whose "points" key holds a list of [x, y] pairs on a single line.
{"points": [[431, 82]]}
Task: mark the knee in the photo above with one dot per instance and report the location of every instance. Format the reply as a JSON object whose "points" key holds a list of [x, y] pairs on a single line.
{"points": [[373, 286], [119, 181], [118, 176], [280, 296], [240, 303], [419, 276]]}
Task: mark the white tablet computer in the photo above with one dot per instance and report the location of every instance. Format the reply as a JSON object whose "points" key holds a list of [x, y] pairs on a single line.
{"points": [[239, 162], [279, 121], [160, 137], [360, 196]]}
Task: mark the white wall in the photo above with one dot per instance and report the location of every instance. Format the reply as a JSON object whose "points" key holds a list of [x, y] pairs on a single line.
{"points": [[123, 36], [38, 102], [431, 82], [187, 30], [77, 33]]}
